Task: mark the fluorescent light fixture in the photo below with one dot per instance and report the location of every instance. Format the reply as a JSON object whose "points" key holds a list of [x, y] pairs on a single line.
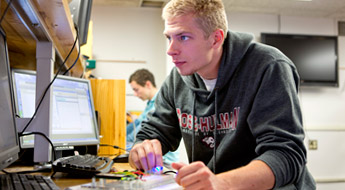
{"points": [[153, 4]]}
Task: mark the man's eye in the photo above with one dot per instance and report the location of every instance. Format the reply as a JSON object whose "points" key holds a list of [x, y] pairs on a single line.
{"points": [[183, 38]]}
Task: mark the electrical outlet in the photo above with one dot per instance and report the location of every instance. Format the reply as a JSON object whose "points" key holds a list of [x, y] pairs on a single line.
{"points": [[312, 144]]}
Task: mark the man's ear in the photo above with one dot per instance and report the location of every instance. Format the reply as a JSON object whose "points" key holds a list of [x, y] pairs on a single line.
{"points": [[218, 38], [148, 84]]}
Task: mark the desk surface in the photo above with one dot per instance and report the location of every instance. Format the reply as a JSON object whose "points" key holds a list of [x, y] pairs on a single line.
{"points": [[61, 179]]}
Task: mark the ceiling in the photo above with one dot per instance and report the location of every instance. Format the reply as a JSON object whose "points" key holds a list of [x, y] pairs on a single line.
{"points": [[313, 8]]}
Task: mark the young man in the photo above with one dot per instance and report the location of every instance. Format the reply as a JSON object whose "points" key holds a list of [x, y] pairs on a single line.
{"points": [[143, 84], [233, 101]]}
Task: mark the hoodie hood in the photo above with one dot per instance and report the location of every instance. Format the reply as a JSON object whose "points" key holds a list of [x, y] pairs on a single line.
{"points": [[235, 47]]}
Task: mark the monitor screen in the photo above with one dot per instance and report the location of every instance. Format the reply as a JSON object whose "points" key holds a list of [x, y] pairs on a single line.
{"points": [[73, 118], [315, 57], [9, 147]]}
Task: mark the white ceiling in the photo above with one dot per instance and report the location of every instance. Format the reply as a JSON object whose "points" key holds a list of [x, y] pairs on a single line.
{"points": [[314, 8]]}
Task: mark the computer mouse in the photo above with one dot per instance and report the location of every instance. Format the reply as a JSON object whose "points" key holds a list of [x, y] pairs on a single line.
{"points": [[122, 158]]}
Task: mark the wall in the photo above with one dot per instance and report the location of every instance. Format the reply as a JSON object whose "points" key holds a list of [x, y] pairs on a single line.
{"points": [[136, 34], [127, 39]]}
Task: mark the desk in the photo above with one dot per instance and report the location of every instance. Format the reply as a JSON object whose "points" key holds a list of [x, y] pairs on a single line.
{"points": [[61, 179]]}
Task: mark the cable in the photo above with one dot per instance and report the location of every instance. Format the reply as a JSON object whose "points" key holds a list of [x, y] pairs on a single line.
{"points": [[42, 134], [170, 171], [46, 90], [6, 9], [76, 28], [114, 146], [70, 52], [6, 172]]}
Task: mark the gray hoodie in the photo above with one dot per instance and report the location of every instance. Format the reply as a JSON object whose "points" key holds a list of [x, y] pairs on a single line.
{"points": [[254, 106]]}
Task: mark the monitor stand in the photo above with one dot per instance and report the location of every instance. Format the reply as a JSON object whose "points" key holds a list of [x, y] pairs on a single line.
{"points": [[47, 167], [45, 55], [45, 58], [43, 167], [60, 149]]}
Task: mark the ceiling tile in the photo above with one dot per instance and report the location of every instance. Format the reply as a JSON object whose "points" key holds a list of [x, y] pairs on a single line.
{"points": [[318, 8]]}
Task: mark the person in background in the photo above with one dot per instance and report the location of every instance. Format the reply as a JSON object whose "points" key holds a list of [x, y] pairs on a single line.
{"points": [[143, 84], [232, 100]]}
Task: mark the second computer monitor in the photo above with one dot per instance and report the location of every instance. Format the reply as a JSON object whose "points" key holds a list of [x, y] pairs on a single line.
{"points": [[9, 146], [73, 119]]}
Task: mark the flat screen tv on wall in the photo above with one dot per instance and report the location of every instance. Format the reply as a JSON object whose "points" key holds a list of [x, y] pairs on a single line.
{"points": [[316, 57]]}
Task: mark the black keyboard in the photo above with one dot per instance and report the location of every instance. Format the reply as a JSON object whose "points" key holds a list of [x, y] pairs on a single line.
{"points": [[83, 165], [26, 181]]}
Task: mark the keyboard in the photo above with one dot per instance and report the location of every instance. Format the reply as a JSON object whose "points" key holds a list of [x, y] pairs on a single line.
{"points": [[26, 181], [82, 165]]}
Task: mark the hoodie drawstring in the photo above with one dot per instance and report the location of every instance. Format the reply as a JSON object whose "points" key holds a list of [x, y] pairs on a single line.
{"points": [[193, 131], [215, 131]]}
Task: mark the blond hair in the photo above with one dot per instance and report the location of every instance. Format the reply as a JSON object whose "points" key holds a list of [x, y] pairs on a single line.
{"points": [[209, 14]]}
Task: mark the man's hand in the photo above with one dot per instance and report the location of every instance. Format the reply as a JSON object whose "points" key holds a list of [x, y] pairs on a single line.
{"points": [[256, 175], [146, 155], [197, 176]]}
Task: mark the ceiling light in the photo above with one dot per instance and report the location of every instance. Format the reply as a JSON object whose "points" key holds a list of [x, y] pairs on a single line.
{"points": [[154, 4]]}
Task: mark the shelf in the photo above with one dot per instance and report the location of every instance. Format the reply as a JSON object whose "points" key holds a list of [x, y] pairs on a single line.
{"points": [[29, 21]]}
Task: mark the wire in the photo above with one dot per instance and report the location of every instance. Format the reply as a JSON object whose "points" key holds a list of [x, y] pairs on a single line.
{"points": [[6, 172], [6, 9], [46, 90], [114, 146], [170, 171], [42, 134], [76, 28], [70, 52]]}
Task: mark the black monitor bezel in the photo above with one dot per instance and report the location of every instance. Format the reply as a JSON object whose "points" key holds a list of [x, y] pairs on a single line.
{"points": [[314, 83]]}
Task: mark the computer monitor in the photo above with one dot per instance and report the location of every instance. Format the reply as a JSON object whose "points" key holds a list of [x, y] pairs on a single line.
{"points": [[9, 146], [73, 119], [81, 13], [315, 56]]}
